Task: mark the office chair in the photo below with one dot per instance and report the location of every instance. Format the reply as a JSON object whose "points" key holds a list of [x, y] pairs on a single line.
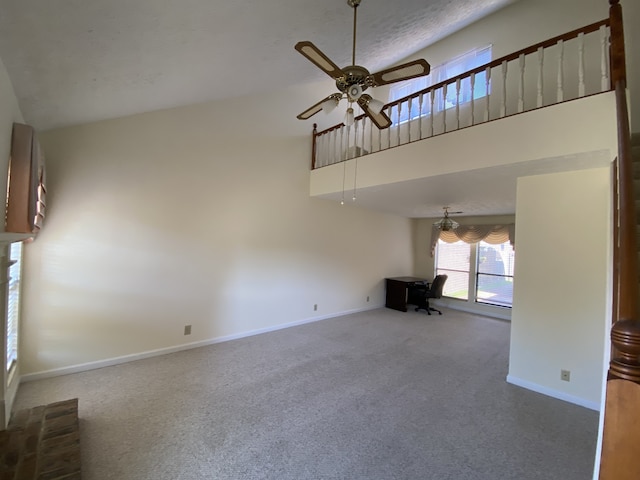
{"points": [[435, 291]]}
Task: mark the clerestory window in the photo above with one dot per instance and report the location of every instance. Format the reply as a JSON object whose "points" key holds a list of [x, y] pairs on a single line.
{"points": [[452, 68]]}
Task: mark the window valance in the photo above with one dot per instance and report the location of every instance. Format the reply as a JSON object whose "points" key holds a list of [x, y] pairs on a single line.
{"points": [[493, 234]]}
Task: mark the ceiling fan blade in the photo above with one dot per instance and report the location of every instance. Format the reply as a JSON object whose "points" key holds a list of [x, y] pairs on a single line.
{"points": [[323, 62], [311, 111], [413, 69], [381, 120]]}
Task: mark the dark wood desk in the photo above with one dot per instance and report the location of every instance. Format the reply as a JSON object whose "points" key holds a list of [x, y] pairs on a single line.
{"points": [[397, 291]]}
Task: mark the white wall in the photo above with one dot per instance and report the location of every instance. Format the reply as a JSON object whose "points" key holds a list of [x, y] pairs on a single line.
{"points": [[9, 113], [198, 215], [562, 287]]}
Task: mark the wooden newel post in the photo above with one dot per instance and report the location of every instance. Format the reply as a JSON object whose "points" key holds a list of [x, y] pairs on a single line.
{"points": [[625, 337], [313, 146], [618, 65], [621, 432]]}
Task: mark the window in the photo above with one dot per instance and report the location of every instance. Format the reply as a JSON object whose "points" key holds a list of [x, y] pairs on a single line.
{"points": [[483, 268], [494, 282], [450, 69], [13, 303], [453, 259]]}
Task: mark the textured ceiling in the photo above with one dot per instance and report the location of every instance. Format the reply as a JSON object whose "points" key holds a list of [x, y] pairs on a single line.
{"points": [[75, 61]]}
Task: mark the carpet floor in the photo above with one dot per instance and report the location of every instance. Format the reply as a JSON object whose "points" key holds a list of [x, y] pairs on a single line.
{"points": [[374, 395]]}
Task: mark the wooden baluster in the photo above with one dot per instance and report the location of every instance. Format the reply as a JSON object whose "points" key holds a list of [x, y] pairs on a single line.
{"points": [[370, 137], [458, 103], [321, 162], [521, 62], [388, 130], [334, 137], [432, 113], [347, 154], [380, 138], [344, 177], [409, 121], [444, 108], [343, 153], [604, 61], [560, 94], [327, 148], [540, 101], [327, 153], [472, 79], [355, 139], [487, 80], [581, 87], [364, 124], [421, 105], [398, 123], [314, 146], [503, 104], [326, 137]]}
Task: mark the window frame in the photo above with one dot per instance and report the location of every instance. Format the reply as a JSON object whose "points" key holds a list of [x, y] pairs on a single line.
{"points": [[478, 273]]}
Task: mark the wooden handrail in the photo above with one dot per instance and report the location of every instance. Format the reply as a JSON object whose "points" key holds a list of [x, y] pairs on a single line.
{"points": [[625, 333], [492, 64]]}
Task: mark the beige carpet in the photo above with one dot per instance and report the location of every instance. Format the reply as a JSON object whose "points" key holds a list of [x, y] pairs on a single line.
{"points": [[375, 395]]}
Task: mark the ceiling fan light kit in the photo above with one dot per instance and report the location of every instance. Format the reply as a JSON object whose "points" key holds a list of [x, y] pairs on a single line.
{"points": [[353, 80], [375, 106], [330, 103]]}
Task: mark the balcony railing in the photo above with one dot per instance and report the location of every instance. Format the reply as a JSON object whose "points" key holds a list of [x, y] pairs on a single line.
{"points": [[562, 68]]}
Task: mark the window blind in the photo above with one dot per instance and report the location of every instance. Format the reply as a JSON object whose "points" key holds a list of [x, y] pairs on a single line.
{"points": [[13, 303], [453, 259]]}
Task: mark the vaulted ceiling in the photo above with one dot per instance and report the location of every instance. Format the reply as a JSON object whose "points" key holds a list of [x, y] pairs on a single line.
{"points": [[76, 61]]}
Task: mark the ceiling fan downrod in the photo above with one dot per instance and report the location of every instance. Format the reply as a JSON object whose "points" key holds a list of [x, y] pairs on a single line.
{"points": [[354, 4]]}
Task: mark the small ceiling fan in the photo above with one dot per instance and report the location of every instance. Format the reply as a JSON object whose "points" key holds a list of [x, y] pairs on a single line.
{"points": [[353, 80], [445, 223]]}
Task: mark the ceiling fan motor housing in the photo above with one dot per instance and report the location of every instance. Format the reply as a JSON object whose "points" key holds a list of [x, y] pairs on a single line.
{"points": [[354, 75]]}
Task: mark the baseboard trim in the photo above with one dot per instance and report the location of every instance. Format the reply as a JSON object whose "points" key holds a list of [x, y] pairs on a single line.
{"points": [[553, 393], [484, 310], [56, 372]]}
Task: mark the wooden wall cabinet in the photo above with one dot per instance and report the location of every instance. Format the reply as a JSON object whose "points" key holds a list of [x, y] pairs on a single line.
{"points": [[26, 189]]}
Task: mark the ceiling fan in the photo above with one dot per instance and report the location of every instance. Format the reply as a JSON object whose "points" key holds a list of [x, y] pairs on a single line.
{"points": [[353, 80], [445, 223]]}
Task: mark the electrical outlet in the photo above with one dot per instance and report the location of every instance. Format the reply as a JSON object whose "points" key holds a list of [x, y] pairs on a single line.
{"points": [[187, 329], [315, 307], [565, 375], [367, 298]]}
